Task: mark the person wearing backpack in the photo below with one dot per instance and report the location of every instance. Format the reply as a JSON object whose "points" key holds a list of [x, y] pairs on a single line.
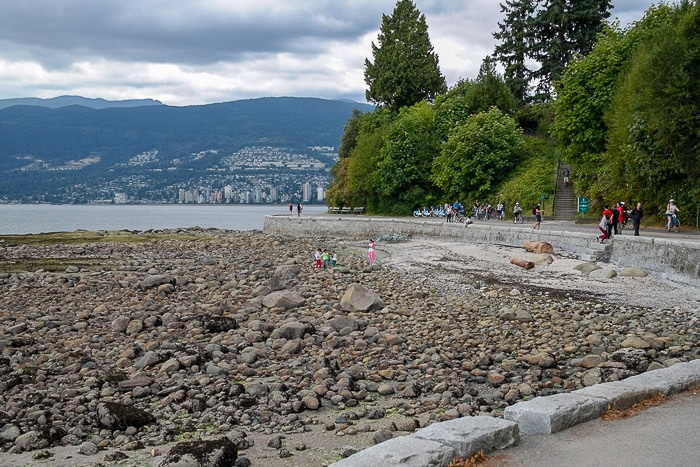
{"points": [[537, 211]]}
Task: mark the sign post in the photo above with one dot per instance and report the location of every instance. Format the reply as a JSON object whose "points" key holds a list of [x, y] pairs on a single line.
{"points": [[583, 204]]}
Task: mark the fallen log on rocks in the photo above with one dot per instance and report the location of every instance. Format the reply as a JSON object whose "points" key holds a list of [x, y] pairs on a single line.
{"points": [[522, 263], [539, 247]]}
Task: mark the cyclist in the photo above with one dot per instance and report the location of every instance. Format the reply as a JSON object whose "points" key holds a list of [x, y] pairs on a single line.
{"points": [[671, 209], [517, 213]]}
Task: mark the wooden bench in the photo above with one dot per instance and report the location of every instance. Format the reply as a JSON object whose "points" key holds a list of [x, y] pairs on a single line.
{"points": [[333, 210], [358, 210], [345, 210]]}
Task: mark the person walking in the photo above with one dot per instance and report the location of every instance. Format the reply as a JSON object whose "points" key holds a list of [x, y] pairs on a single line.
{"points": [[636, 215], [299, 208], [615, 218], [603, 227], [607, 213], [318, 259], [538, 217], [334, 259], [291, 208], [566, 176], [370, 252], [325, 259]]}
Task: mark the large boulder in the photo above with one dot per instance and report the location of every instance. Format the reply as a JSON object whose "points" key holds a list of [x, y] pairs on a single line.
{"points": [[220, 452], [292, 330], [283, 299], [117, 416], [217, 324], [359, 298], [602, 273], [633, 359], [155, 281], [634, 272], [287, 271], [587, 268]]}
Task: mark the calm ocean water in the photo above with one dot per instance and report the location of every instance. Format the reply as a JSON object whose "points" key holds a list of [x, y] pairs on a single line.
{"points": [[38, 218]]}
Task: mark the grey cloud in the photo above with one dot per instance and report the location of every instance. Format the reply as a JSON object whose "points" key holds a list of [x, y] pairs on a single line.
{"points": [[186, 32]]}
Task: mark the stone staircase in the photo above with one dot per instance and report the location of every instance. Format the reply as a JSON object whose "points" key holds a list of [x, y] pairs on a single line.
{"points": [[597, 252], [565, 199]]}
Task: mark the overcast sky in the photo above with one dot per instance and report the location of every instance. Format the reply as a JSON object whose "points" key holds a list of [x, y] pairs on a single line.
{"points": [[187, 52]]}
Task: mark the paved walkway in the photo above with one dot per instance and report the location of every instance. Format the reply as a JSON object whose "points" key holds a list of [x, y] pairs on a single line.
{"points": [[665, 435], [569, 226]]}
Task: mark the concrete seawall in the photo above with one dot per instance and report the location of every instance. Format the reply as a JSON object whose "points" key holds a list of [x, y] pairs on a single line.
{"points": [[676, 260]]}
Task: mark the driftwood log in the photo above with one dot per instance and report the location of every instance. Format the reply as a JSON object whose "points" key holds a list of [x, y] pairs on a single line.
{"points": [[522, 263], [539, 247]]}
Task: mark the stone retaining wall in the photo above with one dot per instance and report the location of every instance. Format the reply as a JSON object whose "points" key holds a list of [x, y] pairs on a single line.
{"points": [[675, 260]]}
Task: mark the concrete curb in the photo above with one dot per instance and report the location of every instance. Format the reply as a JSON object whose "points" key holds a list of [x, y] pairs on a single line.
{"points": [[437, 444]]}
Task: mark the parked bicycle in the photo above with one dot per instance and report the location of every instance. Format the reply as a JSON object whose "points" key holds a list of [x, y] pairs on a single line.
{"points": [[626, 221]]}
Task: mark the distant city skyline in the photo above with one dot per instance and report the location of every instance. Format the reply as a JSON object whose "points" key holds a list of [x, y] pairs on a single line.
{"points": [[191, 52]]}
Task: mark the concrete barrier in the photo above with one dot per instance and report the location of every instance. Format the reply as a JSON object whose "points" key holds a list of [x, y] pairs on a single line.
{"points": [[437, 444], [676, 260]]}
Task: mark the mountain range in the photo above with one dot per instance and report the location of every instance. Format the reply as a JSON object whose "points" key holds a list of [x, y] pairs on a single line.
{"points": [[73, 149], [63, 101]]}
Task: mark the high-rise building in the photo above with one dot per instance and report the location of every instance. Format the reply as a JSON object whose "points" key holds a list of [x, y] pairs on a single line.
{"points": [[306, 192], [274, 195], [320, 193]]}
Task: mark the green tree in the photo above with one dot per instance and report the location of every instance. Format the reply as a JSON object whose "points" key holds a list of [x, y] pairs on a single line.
{"points": [[654, 117], [471, 97], [513, 51], [335, 194], [478, 155], [584, 95], [406, 159], [356, 178], [405, 69], [561, 30]]}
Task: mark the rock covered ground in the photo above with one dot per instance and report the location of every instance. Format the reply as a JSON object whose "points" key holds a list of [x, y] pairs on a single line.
{"points": [[236, 335]]}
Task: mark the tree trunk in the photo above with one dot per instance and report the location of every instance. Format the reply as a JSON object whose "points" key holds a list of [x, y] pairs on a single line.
{"points": [[522, 263]]}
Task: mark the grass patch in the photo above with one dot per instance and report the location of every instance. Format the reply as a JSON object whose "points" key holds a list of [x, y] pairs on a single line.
{"points": [[84, 236], [61, 263], [52, 264]]}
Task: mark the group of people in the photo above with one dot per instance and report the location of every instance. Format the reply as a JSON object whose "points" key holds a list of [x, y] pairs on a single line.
{"points": [[325, 260], [486, 211], [299, 209], [454, 211], [613, 217]]}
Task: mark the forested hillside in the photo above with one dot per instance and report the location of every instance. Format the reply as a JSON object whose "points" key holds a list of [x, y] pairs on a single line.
{"points": [[621, 105], [46, 152]]}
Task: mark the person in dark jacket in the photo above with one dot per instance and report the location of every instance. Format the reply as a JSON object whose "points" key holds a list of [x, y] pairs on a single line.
{"points": [[636, 215]]}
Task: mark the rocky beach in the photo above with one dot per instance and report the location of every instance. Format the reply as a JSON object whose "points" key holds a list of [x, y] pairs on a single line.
{"points": [[121, 348]]}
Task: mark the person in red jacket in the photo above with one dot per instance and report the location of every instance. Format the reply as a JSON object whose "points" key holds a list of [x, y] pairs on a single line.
{"points": [[619, 216], [608, 214]]}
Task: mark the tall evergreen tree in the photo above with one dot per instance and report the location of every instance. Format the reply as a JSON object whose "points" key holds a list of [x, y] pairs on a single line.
{"points": [[515, 36], [563, 29], [405, 70]]}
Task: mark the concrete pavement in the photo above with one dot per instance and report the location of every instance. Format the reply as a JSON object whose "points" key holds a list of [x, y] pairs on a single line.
{"points": [[575, 435], [665, 435]]}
